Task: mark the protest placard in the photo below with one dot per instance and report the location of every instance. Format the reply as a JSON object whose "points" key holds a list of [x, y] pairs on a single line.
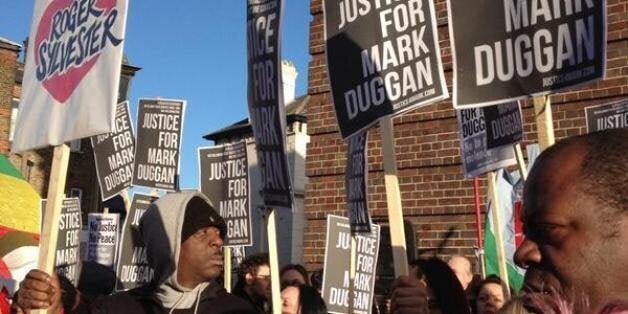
{"points": [[224, 179], [524, 48], [499, 125], [613, 115], [67, 252], [383, 59], [356, 172], [113, 154], [338, 291], [159, 132], [102, 241], [265, 99], [70, 95], [133, 269]]}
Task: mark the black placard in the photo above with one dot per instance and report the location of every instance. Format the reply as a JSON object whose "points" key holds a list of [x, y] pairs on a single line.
{"points": [[608, 116], [265, 98], [114, 154], [503, 124], [159, 132], [336, 278], [68, 248], [356, 172], [522, 48], [383, 59], [133, 269], [224, 179]]}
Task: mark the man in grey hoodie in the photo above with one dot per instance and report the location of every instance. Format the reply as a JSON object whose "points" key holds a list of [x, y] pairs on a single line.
{"points": [[183, 235]]}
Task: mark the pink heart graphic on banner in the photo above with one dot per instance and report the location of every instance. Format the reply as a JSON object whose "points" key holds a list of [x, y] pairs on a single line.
{"points": [[62, 85]]}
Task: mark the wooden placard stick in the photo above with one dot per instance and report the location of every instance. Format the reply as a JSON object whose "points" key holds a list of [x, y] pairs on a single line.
{"points": [[393, 199], [352, 267], [544, 121], [499, 240], [520, 161], [126, 199], [55, 196], [226, 251], [274, 261]]}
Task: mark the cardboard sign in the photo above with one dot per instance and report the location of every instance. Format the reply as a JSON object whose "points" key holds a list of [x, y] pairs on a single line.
{"points": [[523, 48], [608, 116], [114, 154], [265, 98], [383, 59], [504, 128], [72, 72], [133, 269], [159, 132], [336, 278], [356, 172], [224, 179], [504, 125], [67, 253], [102, 241]]}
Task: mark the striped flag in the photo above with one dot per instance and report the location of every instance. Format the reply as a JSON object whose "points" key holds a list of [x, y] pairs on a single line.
{"points": [[19, 226], [510, 190], [507, 187]]}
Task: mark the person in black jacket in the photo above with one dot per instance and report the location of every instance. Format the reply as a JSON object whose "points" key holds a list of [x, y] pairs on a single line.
{"points": [[181, 227]]}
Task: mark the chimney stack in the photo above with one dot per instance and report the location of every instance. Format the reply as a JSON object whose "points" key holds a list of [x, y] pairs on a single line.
{"points": [[289, 74]]}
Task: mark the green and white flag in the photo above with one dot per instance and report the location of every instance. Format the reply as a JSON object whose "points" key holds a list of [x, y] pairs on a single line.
{"points": [[509, 187]]}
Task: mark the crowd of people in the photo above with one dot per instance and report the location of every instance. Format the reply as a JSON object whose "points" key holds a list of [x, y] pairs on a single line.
{"points": [[575, 252]]}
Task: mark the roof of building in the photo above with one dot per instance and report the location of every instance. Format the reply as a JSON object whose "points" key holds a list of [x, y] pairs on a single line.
{"points": [[10, 44], [295, 111]]}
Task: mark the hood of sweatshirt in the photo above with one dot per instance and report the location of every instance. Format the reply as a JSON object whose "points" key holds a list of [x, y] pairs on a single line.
{"points": [[161, 228]]}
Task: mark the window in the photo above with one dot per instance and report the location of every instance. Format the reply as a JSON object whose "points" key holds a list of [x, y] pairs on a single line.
{"points": [[15, 103]]}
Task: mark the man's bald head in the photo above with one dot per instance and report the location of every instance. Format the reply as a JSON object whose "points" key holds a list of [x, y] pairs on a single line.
{"points": [[462, 268], [597, 163]]}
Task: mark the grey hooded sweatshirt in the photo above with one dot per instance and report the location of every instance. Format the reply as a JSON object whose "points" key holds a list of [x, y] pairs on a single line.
{"points": [[161, 228]]}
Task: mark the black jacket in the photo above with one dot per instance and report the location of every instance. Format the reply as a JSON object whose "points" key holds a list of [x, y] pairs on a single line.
{"points": [[213, 300]]}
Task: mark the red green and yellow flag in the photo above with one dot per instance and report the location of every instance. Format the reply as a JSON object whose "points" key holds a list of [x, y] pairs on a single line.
{"points": [[19, 202]]}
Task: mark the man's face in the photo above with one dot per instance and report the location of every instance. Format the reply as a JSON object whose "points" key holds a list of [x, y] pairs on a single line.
{"points": [[260, 282], [201, 254], [567, 242]]}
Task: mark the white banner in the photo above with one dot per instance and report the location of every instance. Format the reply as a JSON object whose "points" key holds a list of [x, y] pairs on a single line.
{"points": [[72, 72]]}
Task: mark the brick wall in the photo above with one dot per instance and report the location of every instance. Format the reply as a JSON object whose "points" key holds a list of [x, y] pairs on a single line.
{"points": [[8, 67], [435, 196]]}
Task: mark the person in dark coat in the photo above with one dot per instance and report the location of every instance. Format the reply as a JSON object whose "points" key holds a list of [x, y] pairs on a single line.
{"points": [[181, 227]]}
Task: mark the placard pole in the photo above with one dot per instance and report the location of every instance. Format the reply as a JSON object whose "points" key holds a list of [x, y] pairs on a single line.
{"points": [[393, 199], [478, 224], [544, 121], [520, 161], [354, 253], [274, 261], [55, 196], [227, 267], [497, 227]]}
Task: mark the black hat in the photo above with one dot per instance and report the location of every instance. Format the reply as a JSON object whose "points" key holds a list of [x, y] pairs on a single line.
{"points": [[200, 214]]}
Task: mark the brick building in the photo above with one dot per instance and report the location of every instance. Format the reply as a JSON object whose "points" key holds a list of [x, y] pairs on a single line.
{"points": [[436, 198], [35, 165]]}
